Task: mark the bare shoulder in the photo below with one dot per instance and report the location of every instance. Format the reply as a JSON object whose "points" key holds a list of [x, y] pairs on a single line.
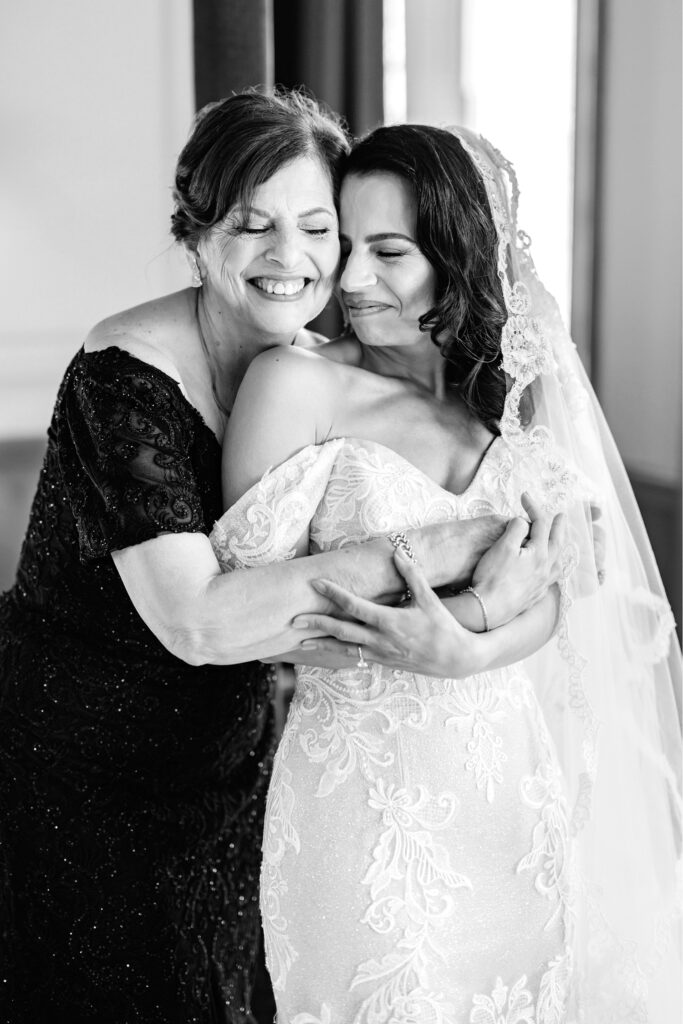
{"points": [[288, 377], [146, 331], [289, 397], [289, 368], [283, 405]]}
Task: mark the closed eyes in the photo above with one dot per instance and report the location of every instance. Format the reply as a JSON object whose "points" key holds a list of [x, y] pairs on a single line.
{"points": [[314, 232]]}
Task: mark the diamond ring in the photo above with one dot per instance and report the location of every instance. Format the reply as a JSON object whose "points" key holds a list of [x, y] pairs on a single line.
{"points": [[361, 663]]}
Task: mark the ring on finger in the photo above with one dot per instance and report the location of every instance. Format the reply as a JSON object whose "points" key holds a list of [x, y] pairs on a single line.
{"points": [[361, 663]]}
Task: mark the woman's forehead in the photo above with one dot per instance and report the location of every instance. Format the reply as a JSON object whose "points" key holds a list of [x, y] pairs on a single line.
{"points": [[380, 197], [301, 180]]}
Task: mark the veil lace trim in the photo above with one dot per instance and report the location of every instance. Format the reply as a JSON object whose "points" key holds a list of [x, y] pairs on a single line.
{"points": [[614, 669]]}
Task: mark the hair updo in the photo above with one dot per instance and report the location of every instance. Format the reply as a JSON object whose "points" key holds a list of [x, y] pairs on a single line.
{"points": [[239, 143], [456, 233]]}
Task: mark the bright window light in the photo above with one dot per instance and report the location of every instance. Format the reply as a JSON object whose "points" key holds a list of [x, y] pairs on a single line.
{"points": [[518, 89], [505, 68], [394, 47]]}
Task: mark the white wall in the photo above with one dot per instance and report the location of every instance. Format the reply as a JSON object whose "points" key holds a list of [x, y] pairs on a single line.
{"points": [[433, 61], [639, 323], [96, 99]]}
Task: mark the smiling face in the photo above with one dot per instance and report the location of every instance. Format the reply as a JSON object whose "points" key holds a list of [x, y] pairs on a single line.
{"points": [[387, 284], [271, 268]]}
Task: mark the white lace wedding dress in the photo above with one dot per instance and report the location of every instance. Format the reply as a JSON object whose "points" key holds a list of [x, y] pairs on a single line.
{"points": [[416, 859]]}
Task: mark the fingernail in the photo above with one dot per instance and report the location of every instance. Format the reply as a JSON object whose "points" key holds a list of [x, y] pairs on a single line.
{"points": [[299, 623], [308, 645], [319, 585]]}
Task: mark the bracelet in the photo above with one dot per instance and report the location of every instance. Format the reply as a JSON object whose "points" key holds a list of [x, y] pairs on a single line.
{"points": [[471, 590], [401, 543]]}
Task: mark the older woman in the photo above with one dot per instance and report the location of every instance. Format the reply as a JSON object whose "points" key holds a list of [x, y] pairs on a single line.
{"points": [[136, 725]]}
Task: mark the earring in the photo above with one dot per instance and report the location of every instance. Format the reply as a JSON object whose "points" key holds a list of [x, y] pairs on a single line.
{"points": [[194, 267]]}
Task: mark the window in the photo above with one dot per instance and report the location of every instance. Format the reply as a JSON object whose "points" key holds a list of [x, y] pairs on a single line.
{"points": [[505, 68]]}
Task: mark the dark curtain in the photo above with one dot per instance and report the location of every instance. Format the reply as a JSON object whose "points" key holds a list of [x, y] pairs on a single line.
{"points": [[233, 47], [334, 49]]}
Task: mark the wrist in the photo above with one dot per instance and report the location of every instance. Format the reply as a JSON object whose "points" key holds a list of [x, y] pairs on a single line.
{"points": [[469, 655], [445, 551], [424, 544], [493, 599], [481, 615]]}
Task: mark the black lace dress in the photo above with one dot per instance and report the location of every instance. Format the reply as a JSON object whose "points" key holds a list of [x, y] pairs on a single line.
{"points": [[132, 785]]}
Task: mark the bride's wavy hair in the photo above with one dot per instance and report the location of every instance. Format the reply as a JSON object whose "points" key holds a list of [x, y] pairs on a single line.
{"points": [[456, 233], [238, 143]]}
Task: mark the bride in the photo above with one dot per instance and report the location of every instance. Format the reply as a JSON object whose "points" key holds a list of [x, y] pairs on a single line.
{"points": [[497, 847]]}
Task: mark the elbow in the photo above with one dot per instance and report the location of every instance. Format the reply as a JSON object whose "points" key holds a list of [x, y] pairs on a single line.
{"points": [[197, 647], [188, 645], [191, 645]]}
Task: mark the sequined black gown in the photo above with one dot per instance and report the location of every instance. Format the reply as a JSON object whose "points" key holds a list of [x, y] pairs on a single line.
{"points": [[132, 785]]}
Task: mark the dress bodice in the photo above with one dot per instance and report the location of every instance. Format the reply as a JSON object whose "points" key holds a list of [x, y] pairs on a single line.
{"points": [[349, 490]]}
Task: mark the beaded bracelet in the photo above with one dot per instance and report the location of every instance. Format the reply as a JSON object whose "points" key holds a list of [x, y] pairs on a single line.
{"points": [[473, 592], [401, 543]]}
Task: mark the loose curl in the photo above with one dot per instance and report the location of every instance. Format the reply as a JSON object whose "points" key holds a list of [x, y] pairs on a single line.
{"points": [[456, 233], [239, 143]]}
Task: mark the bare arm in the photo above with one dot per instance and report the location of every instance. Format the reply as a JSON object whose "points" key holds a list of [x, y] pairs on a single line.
{"points": [[466, 653], [426, 636], [204, 616]]}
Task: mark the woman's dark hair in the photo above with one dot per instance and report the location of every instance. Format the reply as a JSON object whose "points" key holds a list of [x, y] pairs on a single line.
{"points": [[456, 233], [238, 143]]}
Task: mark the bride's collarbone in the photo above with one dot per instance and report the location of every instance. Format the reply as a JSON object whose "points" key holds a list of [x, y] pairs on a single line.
{"points": [[448, 448]]}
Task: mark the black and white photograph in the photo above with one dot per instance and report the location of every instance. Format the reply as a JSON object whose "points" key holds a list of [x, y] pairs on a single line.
{"points": [[340, 512]]}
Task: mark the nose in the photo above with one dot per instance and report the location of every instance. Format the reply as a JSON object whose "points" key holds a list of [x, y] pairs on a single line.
{"points": [[357, 273], [285, 248]]}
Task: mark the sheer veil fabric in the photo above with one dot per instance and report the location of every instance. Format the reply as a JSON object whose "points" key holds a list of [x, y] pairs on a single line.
{"points": [[608, 684]]}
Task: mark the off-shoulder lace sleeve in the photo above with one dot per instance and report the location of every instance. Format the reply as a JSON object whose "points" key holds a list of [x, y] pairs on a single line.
{"points": [[268, 520], [125, 449]]}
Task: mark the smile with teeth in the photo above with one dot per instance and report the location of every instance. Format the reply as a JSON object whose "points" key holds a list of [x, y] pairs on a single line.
{"points": [[275, 286]]}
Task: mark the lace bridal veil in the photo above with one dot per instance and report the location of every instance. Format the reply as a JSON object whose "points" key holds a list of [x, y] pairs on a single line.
{"points": [[608, 683]]}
